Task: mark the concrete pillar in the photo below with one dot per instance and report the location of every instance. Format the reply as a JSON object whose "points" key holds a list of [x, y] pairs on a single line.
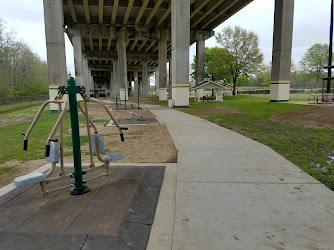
{"points": [[200, 57], [86, 80], [78, 65], [146, 80], [162, 50], [111, 85], [180, 52], [136, 83], [91, 81], [282, 45], [122, 64], [157, 85], [130, 91], [116, 78], [55, 46], [170, 83]]}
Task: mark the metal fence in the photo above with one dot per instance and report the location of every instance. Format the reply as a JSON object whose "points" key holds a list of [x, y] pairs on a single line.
{"points": [[14, 103]]}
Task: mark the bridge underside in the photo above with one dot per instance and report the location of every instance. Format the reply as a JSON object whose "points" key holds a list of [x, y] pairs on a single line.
{"points": [[116, 42]]}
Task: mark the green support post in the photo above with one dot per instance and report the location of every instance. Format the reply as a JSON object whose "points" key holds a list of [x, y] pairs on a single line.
{"points": [[72, 90]]}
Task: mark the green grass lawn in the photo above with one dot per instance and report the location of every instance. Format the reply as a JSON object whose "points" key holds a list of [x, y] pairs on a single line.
{"points": [[18, 106], [308, 148], [11, 140]]}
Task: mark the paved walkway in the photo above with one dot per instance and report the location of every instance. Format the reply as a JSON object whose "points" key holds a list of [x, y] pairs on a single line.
{"points": [[235, 193]]}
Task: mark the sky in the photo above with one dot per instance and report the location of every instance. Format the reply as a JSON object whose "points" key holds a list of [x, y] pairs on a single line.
{"points": [[311, 25]]}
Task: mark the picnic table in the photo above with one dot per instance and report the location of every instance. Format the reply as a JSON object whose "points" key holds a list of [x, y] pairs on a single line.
{"points": [[320, 99]]}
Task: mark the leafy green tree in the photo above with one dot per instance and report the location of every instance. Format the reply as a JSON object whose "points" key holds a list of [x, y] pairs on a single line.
{"points": [[214, 65], [244, 57], [22, 73], [315, 58]]}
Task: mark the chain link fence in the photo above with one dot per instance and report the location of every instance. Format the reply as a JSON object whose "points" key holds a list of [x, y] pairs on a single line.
{"points": [[9, 104]]}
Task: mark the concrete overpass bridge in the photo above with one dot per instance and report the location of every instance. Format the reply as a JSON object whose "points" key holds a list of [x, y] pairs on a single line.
{"points": [[119, 41]]}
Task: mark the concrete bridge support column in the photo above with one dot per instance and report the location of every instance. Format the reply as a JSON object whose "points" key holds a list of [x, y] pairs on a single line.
{"points": [[163, 66], [282, 45], [146, 80], [136, 83], [122, 64], [111, 85], [78, 62], [91, 81], [157, 84], [86, 81], [180, 52], [130, 77], [170, 83], [116, 78], [55, 45], [200, 57]]}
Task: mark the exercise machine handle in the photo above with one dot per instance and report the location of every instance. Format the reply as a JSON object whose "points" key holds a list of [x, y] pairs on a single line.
{"points": [[47, 147], [47, 150], [25, 142], [121, 134]]}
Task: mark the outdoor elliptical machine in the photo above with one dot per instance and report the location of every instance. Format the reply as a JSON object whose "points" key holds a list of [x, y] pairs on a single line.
{"points": [[54, 148]]}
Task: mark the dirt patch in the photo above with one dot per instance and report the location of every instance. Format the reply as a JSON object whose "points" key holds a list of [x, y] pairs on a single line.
{"points": [[18, 168], [18, 118], [318, 117], [143, 144], [204, 112]]}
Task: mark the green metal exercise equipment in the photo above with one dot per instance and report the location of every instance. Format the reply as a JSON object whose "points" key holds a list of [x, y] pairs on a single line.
{"points": [[54, 151]]}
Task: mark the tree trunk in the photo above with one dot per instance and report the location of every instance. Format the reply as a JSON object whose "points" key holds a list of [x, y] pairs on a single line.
{"points": [[234, 86]]}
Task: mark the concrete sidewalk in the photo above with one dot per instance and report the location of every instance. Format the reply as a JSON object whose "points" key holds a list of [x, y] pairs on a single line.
{"points": [[234, 193]]}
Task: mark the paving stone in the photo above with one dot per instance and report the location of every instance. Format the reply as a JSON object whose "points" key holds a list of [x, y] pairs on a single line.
{"points": [[134, 235], [143, 121], [97, 221], [66, 201], [143, 205], [129, 173], [11, 218], [62, 221], [12, 194], [30, 199], [35, 241], [154, 176], [49, 220], [103, 242]]}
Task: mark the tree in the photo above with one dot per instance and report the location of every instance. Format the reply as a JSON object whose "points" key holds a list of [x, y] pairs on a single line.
{"points": [[244, 57], [22, 72], [315, 58], [214, 64]]}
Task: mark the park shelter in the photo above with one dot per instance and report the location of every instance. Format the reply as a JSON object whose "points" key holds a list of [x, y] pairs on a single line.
{"points": [[217, 87], [117, 42]]}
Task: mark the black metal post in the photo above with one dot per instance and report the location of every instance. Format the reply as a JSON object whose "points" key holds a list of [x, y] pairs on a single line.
{"points": [[330, 50]]}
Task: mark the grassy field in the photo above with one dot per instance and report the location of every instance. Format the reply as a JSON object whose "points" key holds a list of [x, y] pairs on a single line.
{"points": [[293, 97], [11, 140], [309, 148], [4, 109]]}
